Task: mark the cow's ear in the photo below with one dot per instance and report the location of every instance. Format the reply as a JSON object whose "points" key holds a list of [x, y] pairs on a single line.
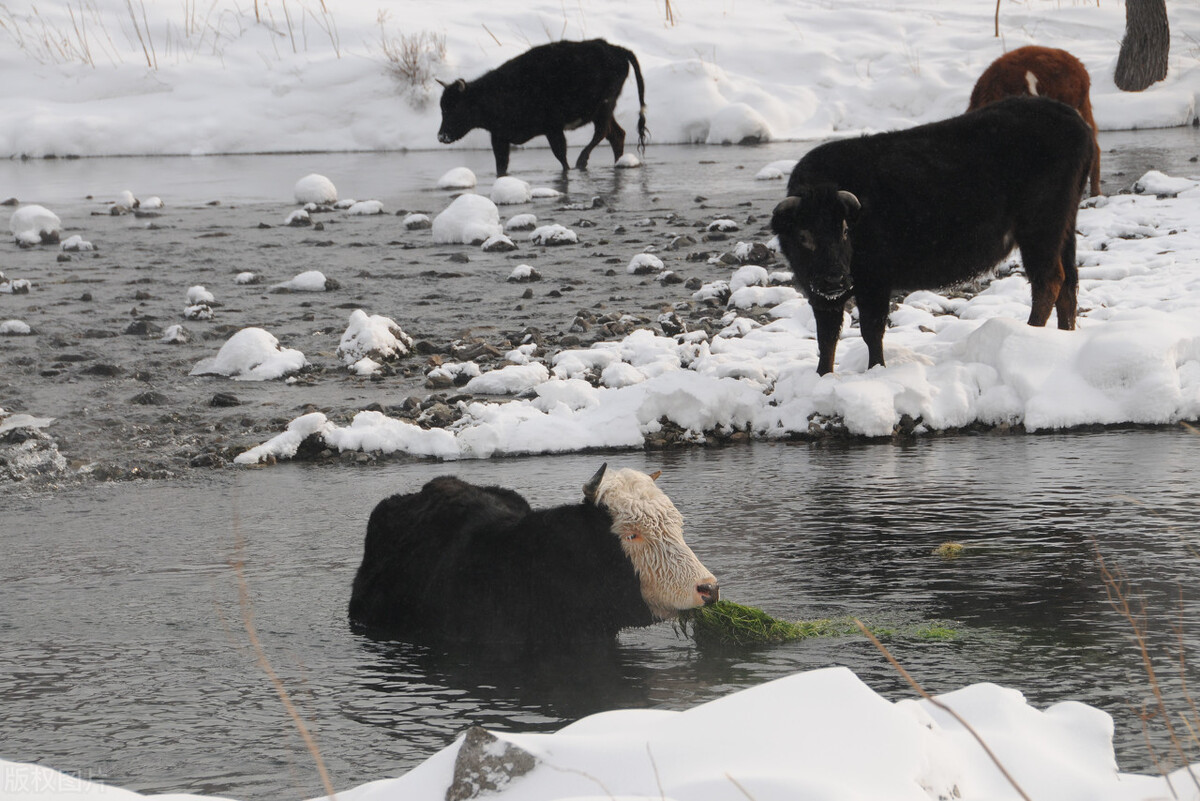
{"points": [[460, 85], [850, 202], [654, 476], [593, 486], [785, 213]]}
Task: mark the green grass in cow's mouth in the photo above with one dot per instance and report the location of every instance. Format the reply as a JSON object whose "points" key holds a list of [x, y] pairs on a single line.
{"points": [[726, 623]]}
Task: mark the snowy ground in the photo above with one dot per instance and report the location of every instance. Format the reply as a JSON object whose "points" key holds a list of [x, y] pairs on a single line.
{"points": [[820, 734]]}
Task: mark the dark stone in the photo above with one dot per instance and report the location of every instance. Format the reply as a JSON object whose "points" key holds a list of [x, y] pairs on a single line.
{"points": [[150, 398], [485, 764], [224, 400]]}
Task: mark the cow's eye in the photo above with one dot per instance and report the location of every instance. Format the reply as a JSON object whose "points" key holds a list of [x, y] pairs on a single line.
{"points": [[807, 241], [845, 230], [632, 535]]}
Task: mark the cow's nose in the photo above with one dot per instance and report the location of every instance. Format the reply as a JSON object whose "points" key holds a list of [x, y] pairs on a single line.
{"points": [[711, 592], [444, 139]]}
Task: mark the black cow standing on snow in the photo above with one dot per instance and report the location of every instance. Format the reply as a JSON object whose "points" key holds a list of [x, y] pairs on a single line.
{"points": [[935, 205], [459, 562], [545, 91]]}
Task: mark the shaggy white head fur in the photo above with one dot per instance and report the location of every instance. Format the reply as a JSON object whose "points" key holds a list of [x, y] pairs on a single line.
{"points": [[651, 532]]}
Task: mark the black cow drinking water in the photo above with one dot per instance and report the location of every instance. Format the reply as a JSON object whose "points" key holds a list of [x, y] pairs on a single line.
{"points": [[935, 205], [545, 91], [457, 562]]}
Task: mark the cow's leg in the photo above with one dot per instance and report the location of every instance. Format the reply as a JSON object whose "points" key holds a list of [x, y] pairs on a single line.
{"points": [[1068, 295], [558, 146], [599, 132], [500, 151], [1043, 267], [829, 326], [616, 138], [1096, 171], [872, 321]]}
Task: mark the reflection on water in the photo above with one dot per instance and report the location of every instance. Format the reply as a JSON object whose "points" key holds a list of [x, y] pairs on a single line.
{"points": [[123, 654], [186, 180]]}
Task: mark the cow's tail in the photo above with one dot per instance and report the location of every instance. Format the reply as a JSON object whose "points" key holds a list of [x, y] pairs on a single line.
{"points": [[643, 132]]}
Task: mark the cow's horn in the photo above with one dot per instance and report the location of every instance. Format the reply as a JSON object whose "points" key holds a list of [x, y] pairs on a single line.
{"points": [[443, 83], [849, 200], [593, 486], [789, 203]]}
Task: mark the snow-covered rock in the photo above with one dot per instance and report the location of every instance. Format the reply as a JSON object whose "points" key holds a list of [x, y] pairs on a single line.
{"points": [[469, 220], [457, 178], [251, 354], [35, 225], [315, 189], [373, 335]]}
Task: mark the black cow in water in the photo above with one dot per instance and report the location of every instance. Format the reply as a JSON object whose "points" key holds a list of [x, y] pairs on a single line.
{"points": [[545, 91], [935, 205], [457, 562]]}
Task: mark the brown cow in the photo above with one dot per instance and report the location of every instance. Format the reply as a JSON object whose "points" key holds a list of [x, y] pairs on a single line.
{"points": [[1044, 71]]}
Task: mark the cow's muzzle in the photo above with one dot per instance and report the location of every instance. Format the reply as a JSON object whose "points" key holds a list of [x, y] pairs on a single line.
{"points": [[445, 138], [835, 289], [710, 592]]}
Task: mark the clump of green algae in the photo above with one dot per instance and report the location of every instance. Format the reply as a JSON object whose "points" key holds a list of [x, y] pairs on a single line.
{"points": [[731, 624]]}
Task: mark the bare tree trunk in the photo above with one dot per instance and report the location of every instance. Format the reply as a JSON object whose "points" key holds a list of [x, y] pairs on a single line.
{"points": [[1143, 57]]}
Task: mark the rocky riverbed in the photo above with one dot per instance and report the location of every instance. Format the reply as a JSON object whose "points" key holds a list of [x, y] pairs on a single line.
{"points": [[123, 404]]}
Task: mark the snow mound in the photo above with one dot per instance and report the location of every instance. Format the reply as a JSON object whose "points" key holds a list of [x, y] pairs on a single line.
{"points": [[315, 189], [469, 220], [365, 208], [198, 294], [457, 178], [14, 328], [251, 354], [509, 191], [553, 235], [644, 263], [737, 124], [35, 225], [308, 281], [521, 222], [776, 170], [375, 336]]}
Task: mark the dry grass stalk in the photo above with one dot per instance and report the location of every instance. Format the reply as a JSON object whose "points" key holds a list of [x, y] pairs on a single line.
{"points": [[1116, 586], [244, 603], [940, 705]]}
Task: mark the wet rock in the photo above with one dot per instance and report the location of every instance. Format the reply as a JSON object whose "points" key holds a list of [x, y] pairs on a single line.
{"points": [[150, 398], [207, 460], [459, 258], [485, 764], [103, 370], [439, 415], [224, 400], [142, 328], [86, 297]]}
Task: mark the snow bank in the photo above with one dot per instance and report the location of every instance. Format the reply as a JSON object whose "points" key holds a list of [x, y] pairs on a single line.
{"points": [[818, 734]]}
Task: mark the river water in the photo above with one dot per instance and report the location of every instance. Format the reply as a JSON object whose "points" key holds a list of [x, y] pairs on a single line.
{"points": [[124, 654]]}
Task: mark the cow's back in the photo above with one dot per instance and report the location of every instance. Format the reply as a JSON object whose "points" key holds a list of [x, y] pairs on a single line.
{"points": [[931, 194], [556, 85], [419, 546]]}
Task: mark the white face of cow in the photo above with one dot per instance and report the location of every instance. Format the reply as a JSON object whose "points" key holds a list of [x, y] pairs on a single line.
{"points": [[651, 532]]}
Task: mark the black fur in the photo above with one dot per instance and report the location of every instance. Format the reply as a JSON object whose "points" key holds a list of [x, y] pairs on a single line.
{"points": [[545, 91], [460, 562], [940, 203]]}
